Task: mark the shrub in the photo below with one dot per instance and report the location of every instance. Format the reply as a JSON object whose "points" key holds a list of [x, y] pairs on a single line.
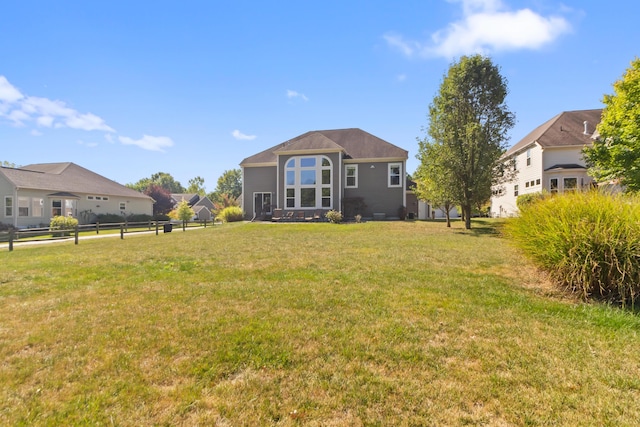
{"points": [[334, 217], [139, 218], [230, 214], [588, 242], [109, 218], [63, 223], [525, 200]]}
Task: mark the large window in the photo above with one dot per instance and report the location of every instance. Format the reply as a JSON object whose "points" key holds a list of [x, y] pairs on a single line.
{"points": [[308, 182], [23, 206], [8, 206], [56, 207], [37, 207], [570, 184], [351, 172], [395, 174]]}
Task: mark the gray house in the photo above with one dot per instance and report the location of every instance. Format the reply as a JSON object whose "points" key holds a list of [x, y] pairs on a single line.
{"points": [[348, 170], [201, 205], [31, 195]]}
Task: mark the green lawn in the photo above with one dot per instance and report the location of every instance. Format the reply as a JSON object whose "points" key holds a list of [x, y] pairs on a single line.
{"points": [[381, 323]]}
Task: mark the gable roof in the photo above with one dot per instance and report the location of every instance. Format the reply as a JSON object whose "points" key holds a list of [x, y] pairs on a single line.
{"points": [[564, 130], [66, 178], [355, 143], [190, 198]]}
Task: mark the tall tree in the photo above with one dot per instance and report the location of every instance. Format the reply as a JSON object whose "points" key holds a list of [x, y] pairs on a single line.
{"points": [[433, 181], [229, 183], [615, 155], [196, 186], [163, 179], [469, 121]]}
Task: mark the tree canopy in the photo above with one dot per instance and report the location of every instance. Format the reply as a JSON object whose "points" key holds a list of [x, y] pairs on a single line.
{"points": [[433, 180], [229, 184], [196, 186], [164, 202], [615, 155], [162, 179], [467, 133]]}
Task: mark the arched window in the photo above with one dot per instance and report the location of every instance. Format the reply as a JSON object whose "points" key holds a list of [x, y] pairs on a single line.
{"points": [[308, 182]]}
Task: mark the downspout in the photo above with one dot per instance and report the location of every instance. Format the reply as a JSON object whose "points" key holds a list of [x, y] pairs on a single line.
{"points": [[14, 210], [340, 183], [404, 185], [242, 199]]}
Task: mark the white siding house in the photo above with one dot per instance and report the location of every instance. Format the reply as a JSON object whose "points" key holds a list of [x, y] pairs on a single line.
{"points": [[548, 159], [31, 195]]}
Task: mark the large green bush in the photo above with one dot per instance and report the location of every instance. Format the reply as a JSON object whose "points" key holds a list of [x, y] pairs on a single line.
{"points": [[588, 242], [230, 214], [63, 223]]}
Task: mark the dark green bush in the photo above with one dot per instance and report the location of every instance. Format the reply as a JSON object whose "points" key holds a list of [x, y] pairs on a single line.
{"points": [[230, 214], [109, 218], [139, 218], [588, 242], [525, 200]]}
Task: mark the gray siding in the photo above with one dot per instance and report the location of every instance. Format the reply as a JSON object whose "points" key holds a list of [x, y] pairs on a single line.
{"points": [[375, 192], [257, 180]]}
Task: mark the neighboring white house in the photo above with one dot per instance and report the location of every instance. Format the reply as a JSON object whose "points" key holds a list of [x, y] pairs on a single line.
{"points": [[548, 159], [31, 195]]}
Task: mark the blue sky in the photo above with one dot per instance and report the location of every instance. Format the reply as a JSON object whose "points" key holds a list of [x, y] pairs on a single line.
{"points": [[131, 88]]}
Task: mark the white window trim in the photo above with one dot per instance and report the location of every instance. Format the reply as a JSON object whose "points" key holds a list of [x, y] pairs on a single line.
{"points": [[393, 165], [28, 206], [318, 186], [346, 176], [564, 178], [12, 207]]}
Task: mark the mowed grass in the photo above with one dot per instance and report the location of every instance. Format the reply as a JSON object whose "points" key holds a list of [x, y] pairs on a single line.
{"points": [[381, 323]]}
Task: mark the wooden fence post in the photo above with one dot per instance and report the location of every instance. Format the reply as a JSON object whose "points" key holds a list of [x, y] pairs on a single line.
{"points": [[121, 231], [76, 235], [157, 227], [11, 236], [97, 227]]}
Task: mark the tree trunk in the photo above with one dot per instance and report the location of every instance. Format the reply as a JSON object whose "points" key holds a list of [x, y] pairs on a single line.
{"points": [[467, 216], [447, 208]]}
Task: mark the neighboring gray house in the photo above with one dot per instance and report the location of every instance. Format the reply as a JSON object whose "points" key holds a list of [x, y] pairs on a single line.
{"points": [[31, 195], [548, 159], [348, 170], [201, 205]]}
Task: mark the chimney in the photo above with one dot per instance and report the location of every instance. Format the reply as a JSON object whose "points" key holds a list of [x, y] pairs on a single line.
{"points": [[586, 124]]}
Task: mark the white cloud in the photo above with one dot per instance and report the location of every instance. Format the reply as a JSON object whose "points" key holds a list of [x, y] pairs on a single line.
{"points": [[291, 94], [147, 142], [8, 93], [241, 136], [487, 26], [36, 132], [108, 137], [21, 109], [45, 121], [87, 122], [87, 144]]}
